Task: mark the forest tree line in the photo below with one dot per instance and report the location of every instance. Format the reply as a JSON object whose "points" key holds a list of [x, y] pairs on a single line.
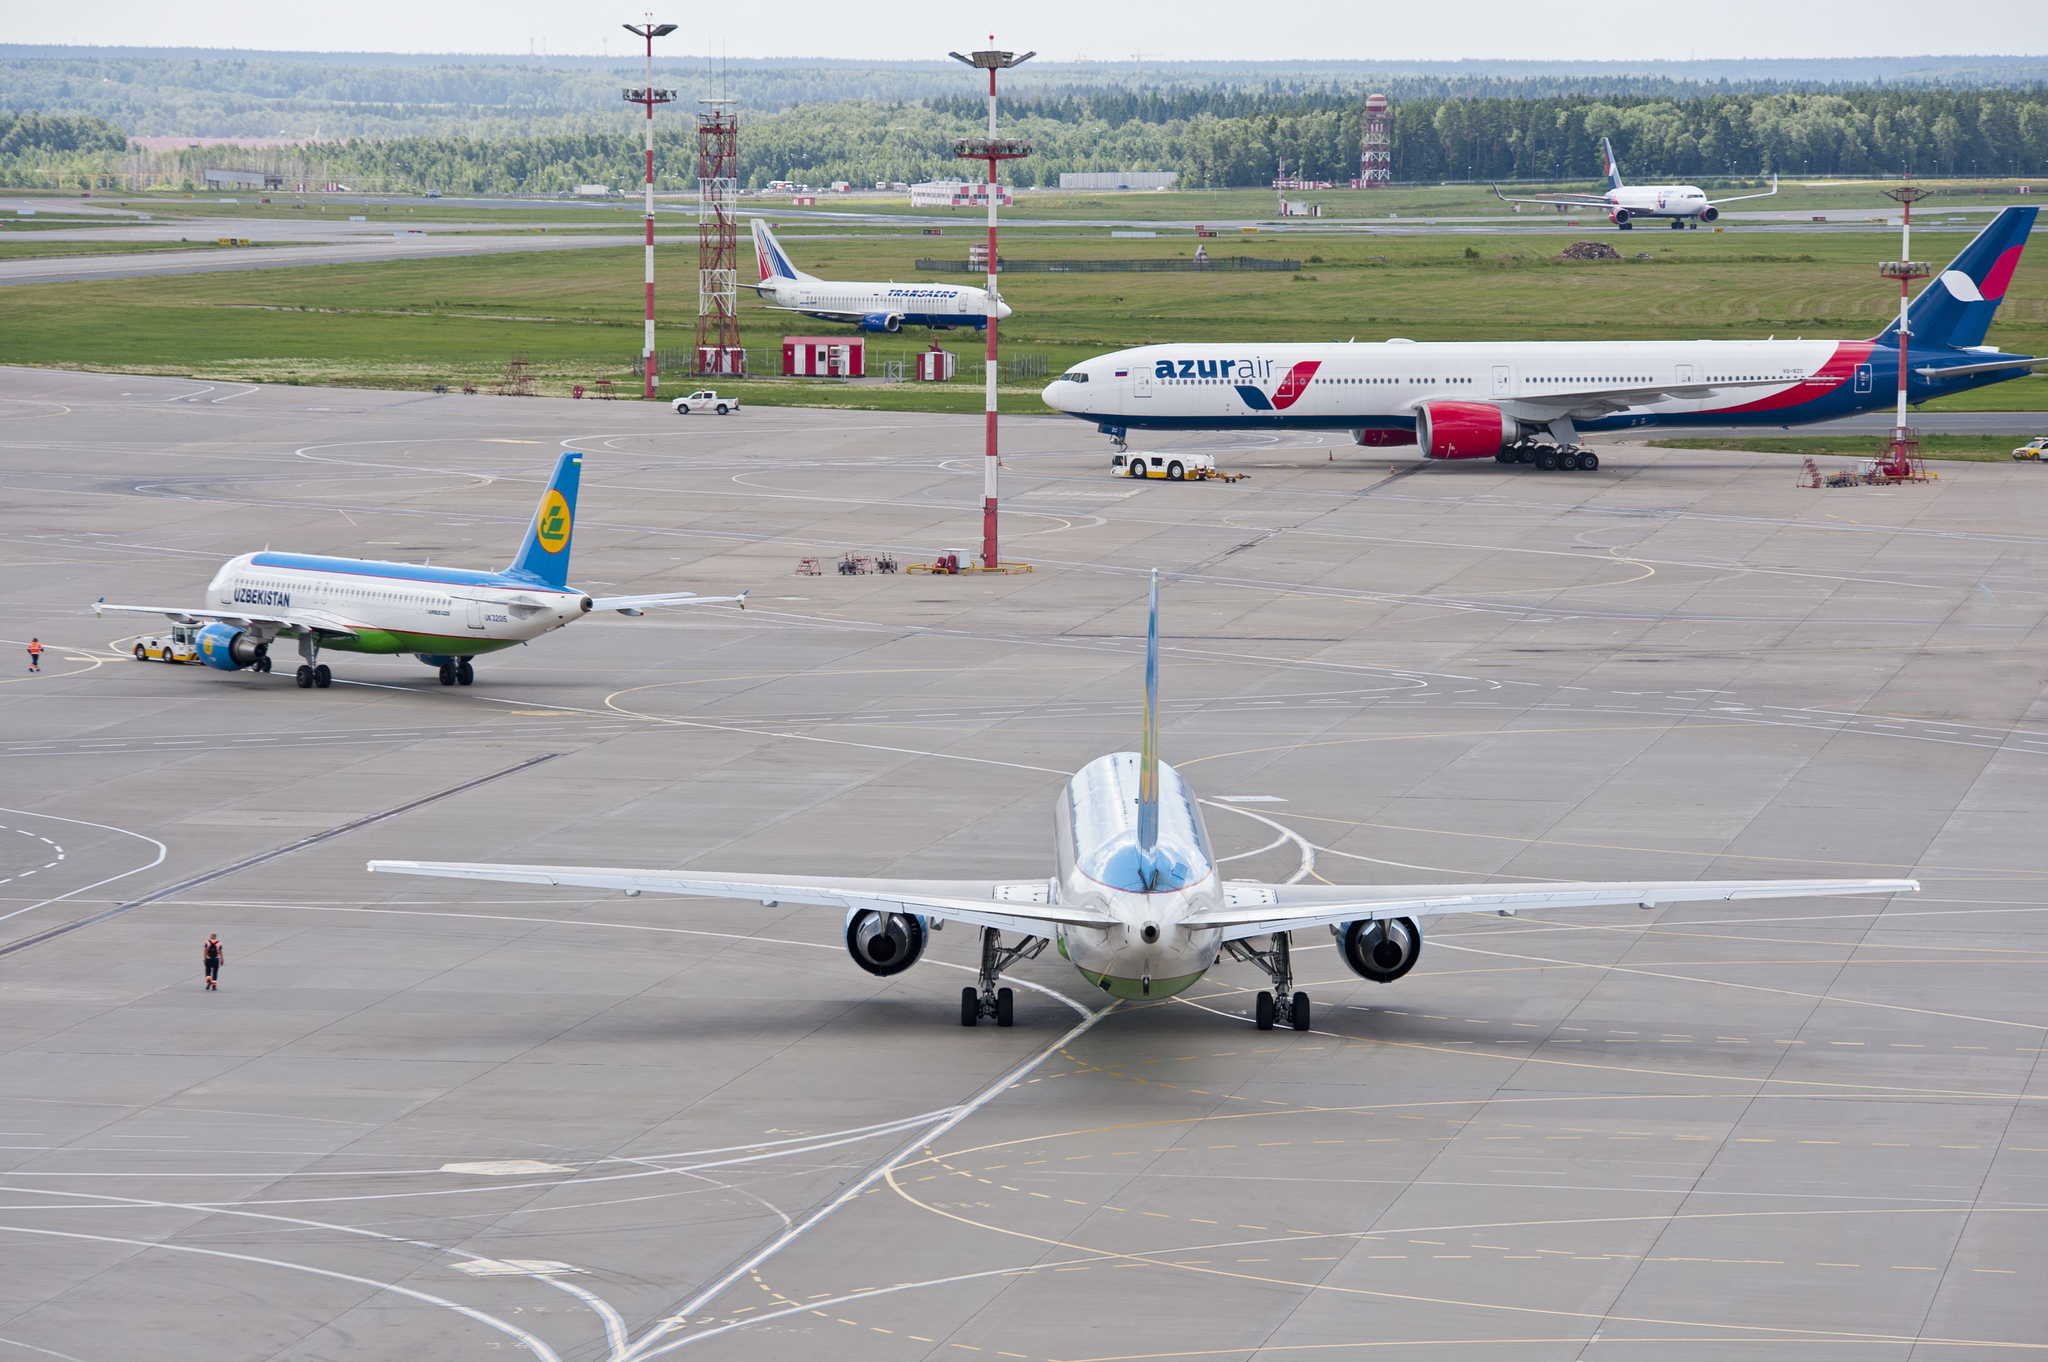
{"points": [[1219, 139]]}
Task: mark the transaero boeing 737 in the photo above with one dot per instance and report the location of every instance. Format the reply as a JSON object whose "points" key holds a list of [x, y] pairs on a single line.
{"points": [[871, 307], [446, 616], [1135, 901], [1526, 401], [1685, 205]]}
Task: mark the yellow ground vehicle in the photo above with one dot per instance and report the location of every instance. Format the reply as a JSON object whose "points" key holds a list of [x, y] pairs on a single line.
{"points": [[2032, 450], [1173, 467], [180, 645]]}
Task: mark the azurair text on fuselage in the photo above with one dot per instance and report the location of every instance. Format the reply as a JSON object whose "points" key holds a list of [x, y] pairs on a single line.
{"points": [[1135, 901], [445, 616], [1478, 399]]}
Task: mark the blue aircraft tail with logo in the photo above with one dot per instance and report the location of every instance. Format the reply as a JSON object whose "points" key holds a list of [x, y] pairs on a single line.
{"points": [[768, 252], [1957, 305], [544, 556], [1613, 166]]}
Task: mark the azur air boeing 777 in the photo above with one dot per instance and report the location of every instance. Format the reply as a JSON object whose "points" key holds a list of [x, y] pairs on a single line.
{"points": [[445, 616], [1135, 901], [1526, 401]]}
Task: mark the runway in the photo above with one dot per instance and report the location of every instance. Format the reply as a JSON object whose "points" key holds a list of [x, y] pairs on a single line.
{"points": [[436, 1119]]}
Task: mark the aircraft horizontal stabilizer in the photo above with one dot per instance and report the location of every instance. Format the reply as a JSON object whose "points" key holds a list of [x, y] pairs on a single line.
{"points": [[637, 603], [1256, 910], [972, 901], [1958, 370]]}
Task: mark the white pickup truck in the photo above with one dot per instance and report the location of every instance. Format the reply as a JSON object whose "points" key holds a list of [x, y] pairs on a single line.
{"points": [[705, 400]]}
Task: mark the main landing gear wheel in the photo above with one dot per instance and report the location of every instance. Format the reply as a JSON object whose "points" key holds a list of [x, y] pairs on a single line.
{"points": [[464, 673], [1006, 1007], [1547, 461], [262, 664], [304, 677], [1299, 1011], [1589, 462], [1568, 460], [970, 1007], [998, 1005], [322, 677], [1677, 224], [447, 673], [1262, 1011]]}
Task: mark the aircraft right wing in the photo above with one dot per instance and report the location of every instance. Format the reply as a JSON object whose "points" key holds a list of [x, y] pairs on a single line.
{"points": [[1011, 906], [1565, 200], [1740, 197], [323, 625], [1257, 909]]}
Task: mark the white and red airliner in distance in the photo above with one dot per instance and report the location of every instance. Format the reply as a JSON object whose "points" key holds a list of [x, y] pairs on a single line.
{"points": [[1685, 205], [1527, 401]]}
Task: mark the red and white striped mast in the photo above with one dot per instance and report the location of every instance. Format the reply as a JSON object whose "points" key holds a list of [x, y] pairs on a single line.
{"points": [[649, 97], [1905, 269], [994, 150]]}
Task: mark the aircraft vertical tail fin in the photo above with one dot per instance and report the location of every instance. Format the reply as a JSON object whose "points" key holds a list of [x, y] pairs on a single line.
{"points": [[1613, 166], [773, 260], [1957, 305], [1148, 749], [545, 552]]}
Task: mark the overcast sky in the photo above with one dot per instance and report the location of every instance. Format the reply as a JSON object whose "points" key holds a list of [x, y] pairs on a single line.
{"points": [[1178, 30]]}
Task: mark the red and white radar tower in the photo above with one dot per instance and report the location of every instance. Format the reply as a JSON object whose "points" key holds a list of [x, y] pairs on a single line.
{"points": [[1375, 144], [649, 96], [992, 149]]}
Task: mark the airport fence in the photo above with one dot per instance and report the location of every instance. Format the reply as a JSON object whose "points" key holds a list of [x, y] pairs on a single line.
{"points": [[1175, 266]]}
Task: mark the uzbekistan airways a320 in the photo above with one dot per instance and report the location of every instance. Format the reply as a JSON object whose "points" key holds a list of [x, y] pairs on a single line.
{"points": [[1136, 902], [872, 306], [1684, 205], [444, 616], [1526, 401]]}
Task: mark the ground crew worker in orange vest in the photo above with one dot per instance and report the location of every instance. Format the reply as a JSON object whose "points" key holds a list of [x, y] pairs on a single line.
{"points": [[35, 654], [211, 953]]}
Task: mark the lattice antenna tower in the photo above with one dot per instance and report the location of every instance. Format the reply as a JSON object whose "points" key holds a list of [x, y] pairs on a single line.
{"points": [[718, 252], [1375, 144]]}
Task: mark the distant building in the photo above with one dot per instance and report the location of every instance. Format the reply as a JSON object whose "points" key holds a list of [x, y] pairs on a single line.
{"points": [[1119, 179], [955, 194], [243, 179]]}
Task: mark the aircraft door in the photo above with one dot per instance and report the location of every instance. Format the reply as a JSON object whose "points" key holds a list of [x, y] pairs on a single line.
{"points": [[1863, 378], [474, 610], [1142, 385], [1503, 380]]}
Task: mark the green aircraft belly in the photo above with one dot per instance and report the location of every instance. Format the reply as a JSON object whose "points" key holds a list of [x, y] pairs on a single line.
{"points": [[387, 641], [1134, 989]]}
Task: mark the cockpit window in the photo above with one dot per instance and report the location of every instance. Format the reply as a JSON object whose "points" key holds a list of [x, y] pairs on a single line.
{"points": [[1074, 376]]}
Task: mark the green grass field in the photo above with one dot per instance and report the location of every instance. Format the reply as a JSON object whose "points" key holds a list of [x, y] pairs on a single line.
{"points": [[576, 314]]}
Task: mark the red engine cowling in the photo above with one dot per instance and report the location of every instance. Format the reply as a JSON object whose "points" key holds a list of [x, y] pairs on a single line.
{"points": [[1382, 439], [1709, 214], [1463, 430]]}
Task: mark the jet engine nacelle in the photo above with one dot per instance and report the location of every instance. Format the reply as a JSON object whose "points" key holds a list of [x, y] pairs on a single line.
{"points": [[885, 943], [228, 648], [1382, 439], [1619, 217], [1463, 430], [1709, 213], [1381, 950], [882, 321]]}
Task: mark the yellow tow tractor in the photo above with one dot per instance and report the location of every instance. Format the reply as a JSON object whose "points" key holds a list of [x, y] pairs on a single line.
{"points": [[1173, 467], [180, 645], [2032, 450]]}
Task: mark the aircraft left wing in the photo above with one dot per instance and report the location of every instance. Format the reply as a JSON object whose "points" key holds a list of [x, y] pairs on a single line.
{"points": [[1595, 402], [633, 605], [1740, 197], [1258, 909], [1010, 906]]}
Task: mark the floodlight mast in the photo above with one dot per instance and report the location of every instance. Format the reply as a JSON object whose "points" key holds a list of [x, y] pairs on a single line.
{"points": [[649, 97], [992, 149], [1905, 269]]}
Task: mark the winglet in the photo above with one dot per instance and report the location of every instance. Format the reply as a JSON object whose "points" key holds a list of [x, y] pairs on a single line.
{"points": [[1148, 751], [743, 598]]}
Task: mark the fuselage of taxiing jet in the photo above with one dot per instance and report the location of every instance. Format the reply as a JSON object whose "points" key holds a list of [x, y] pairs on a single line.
{"points": [[1470, 400], [1682, 205], [871, 306], [1136, 902], [445, 616]]}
